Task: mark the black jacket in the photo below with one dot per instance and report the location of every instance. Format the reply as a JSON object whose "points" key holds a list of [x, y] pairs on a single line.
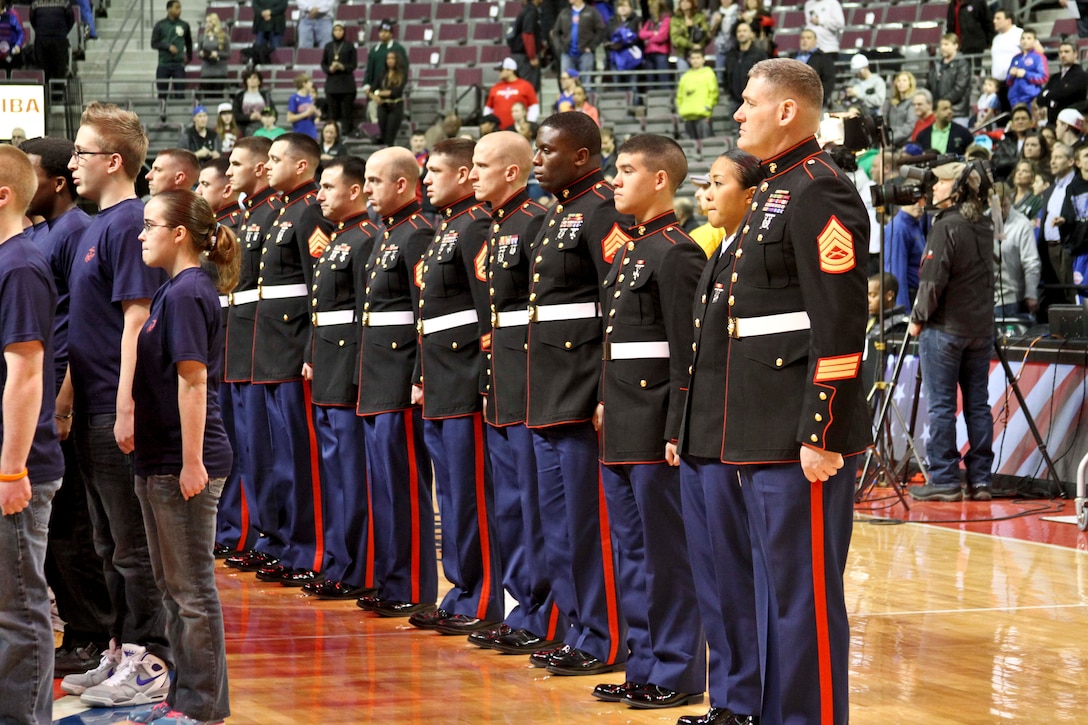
{"points": [[824, 65], [340, 81], [971, 21], [51, 18], [952, 80], [959, 138], [1064, 91], [261, 210]]}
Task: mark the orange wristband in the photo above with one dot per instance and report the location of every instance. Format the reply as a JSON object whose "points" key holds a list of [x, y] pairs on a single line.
{"points": [[9, 477]]}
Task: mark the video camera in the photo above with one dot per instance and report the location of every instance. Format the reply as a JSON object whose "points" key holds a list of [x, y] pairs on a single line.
{"points": [[920, 170]]}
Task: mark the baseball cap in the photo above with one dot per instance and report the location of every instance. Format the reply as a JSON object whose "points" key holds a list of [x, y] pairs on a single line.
{"points": [[509, 64], [1072, 117], [386, 25], [700, 179], [199, 109], [224, 108], [858, 62], [949, 171]]}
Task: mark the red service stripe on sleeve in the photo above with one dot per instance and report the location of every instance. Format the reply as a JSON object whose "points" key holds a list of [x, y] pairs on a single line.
{"points": [[842, 367]]}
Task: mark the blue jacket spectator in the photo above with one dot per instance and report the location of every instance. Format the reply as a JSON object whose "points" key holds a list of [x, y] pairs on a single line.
{"points": [[904, 242]]}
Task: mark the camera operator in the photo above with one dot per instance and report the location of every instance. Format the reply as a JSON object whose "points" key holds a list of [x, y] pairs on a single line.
{"points": [[953, 318]]}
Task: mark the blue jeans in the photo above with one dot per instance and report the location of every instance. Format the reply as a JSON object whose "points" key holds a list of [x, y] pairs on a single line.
{"points": [[267, 37], [314, 32], [180, 537], [119, 536], [585, 63], [26, 631], [949, 361]]}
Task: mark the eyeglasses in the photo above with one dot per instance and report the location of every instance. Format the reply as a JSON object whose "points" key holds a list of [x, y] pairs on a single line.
{"points": [[148, 226], [81, 156]]}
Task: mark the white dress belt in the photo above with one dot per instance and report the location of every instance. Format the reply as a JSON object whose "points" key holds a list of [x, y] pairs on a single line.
{"points": [[333, 317], [283, 291], [244, 297], [513, 318], [388, 319], [636, 350], [570, 311], [441, 323], [768, 324], [224, 301]]}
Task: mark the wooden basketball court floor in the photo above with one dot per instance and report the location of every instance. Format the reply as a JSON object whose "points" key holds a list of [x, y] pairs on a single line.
{"points": [[952, 624]]}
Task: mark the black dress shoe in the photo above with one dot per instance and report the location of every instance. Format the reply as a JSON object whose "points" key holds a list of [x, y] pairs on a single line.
{"points": [[222, 551], [615, 691], [76, 660], [336, 590], [250, 560], [427, 618], [298, 577], [461, 624], [579, 662], [651, 697], [522, 641], [485, 638], [543, 658], [389, 608], [368, 602], [272, 573], [718, 716]]}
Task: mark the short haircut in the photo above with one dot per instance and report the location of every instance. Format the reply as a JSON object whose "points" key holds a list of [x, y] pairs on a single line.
{"points": [[924, 92], [219, 163], [791, 78], [746, 167], [887, 280], [581, 130], [184, 158], [1029, 31], [172, 3], [1003, 11], [256, 145], [397, 162], [120, 132], [352, 168], [951, 37], [301, 79], [17, 173], [458, 150], [659, 153], [607, 132], [299, 145], [1018, 108], [54, 153], [1070, 43]]}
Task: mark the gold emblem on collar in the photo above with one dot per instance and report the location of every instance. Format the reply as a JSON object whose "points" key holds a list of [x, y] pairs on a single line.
{"points": [[502, 212], [773, 167], [566, 193], [642, 230]]}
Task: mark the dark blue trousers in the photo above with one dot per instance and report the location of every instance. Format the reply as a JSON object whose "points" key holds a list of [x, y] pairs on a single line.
{"points": [[345, 495], [578, 544], [251, 426], [800, 539], [462, 473], [657, 595], [295, 480], [720, 550], [405, 560], [518, 532], [233, 523]]}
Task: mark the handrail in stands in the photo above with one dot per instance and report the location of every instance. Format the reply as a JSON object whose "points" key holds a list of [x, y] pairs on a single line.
{"points": [[135, 14]]}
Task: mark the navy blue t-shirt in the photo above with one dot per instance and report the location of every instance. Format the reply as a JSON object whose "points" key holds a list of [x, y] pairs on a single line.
{"points": [[58, 240], [107, 270], [184, 325], [28, 299]]}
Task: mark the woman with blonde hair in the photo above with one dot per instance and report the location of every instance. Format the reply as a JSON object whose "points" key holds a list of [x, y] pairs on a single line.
{"points": [[214, 45], [899, 109]]}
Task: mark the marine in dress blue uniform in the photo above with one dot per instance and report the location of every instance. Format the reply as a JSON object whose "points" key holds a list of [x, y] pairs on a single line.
{"points": [[570, 258]]}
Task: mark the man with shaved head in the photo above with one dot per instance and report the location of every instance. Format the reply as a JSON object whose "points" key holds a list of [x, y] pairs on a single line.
{"points": [[173, 169], [501, 164], [387, 291]]}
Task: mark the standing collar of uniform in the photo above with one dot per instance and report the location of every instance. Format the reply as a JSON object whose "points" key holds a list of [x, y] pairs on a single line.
{"points": [[353, 221], [791, 157], [654, 225], [406, 211], [290, 197], [581, 186], [503, 210], [459, 207], [225, 212], [260, 197]]}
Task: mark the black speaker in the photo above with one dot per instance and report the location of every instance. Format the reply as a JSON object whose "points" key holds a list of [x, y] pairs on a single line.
{"points": [[1069, 321]]}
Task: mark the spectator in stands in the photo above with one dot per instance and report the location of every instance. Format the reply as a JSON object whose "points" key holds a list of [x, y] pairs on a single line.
{"points": [[684, 208], [969, 21], [1036, 148], [173, 39], [52, 20], [251, 100], [331, 143], [899, 115], [581, 103], [268, 128], [339, 61], [1039, 186], [86, 19], [198, 138], [950, 77], [989, 103], [315, 22], [624, 52], [822, 63], [826, 19], [269, 22], [12, 38], [446, 127], [869, 90], [1069, 86], [1024, 198], [689, 30], [376, 65], [707, 236], [510, 90], [945, 135], [742, 57], [302, 111], [173, 169], [894, 320], [1070, 127], [522, 124], [568, 81], [1028, 71], [388, 97], [1007, 151], [214, 45], [657, 47], [576, 40], [1058, 223], [490, 124], [18, 137], [762, 24], [226, 128], [904, 242], [1003, 48], [524, 41], [1017, 268], [923, 112], [697, 93], [722, 20]]}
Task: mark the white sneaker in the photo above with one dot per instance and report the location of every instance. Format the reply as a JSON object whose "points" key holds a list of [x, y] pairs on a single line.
{"points": [[78, 683], [140, 679]]}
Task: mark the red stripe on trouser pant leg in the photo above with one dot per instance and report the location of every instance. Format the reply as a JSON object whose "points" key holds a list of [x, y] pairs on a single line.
{"points": [[413, 500], [243, 539], [609, 574], [819, 591], [481, 515], [315, 478], [368, 571]]}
